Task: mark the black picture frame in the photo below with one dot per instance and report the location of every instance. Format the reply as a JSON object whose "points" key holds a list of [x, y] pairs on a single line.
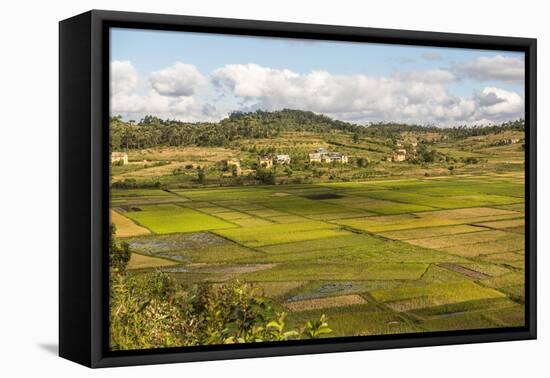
{"points": [[83, 181]]}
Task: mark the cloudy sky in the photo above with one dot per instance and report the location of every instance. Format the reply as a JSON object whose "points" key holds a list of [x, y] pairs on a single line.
{"points": [[203, 77]]}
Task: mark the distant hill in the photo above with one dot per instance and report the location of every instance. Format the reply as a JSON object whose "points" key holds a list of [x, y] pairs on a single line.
{"points": [[153, 131]]}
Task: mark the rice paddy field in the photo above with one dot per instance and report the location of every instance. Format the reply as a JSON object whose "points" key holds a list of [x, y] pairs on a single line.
{"points": [[380, 256]]}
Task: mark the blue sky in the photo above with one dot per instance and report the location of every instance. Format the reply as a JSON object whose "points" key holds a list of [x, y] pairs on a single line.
{"points": [[196, 71]]}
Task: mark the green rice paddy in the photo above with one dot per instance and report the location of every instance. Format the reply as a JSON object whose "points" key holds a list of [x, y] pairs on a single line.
{"points": [[424, 254]]}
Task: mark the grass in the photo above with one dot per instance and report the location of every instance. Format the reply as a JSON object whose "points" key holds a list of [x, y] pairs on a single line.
{"points": [[430, 232], [251, 222], [356, 320], [510, 244], [438, 294], [511, 316], [505, 280], [281, 233], [165, 219], [313, 271], [278, 289], [379, 206], [469, 215], [461, 239], [427, 313], [125, 227], [319, 244], [468, 320], [394, 223], [504, 224], [320, 303], [138, 261]]}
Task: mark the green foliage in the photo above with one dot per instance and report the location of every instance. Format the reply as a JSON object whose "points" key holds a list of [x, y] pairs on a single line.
{"points": [[265, 176], [470, 160], [201, 175], [152, 131], [119, 255], [134, 184], [362, 162], [315, 328], [150, 311]]}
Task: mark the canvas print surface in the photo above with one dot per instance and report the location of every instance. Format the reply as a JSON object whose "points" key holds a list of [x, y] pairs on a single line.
{"points": [[266, 189]]}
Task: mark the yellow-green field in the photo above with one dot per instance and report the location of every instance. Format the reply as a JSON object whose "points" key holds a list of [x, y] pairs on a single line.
{"points": [[376, 256]]}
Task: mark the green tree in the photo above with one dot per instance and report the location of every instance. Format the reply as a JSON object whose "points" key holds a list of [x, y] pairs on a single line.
{"points": [[150, 311], [265, 176], [119, 255], [201, 175]]}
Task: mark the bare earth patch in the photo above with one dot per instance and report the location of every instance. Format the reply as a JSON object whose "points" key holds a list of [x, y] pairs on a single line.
{"points": [[138, 261], [279, 289], [319, 303], [125, 227]]}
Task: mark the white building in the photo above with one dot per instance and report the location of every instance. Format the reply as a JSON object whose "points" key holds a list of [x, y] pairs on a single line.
{"points": [[119, 156], [321, 155], [282, 159]]}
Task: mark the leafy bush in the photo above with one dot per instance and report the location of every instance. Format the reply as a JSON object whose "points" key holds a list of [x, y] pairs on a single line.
{"points": [[265, 176], [152, 310]]}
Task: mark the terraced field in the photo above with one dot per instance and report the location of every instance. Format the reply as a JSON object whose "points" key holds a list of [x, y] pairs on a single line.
{"points": [[377, 257]]}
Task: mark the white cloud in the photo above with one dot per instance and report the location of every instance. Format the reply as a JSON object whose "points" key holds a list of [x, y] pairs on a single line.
{"points": [[498, 104], [177, 80], [124, 77], [427, 76], [498, 67], [168, 93], [420, 97]]}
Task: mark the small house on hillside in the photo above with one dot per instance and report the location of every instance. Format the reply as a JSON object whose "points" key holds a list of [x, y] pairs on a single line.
{"points": [[119, 156], [234, 165], [282, 159], [265, 162], [400, 155], [321, 155]]}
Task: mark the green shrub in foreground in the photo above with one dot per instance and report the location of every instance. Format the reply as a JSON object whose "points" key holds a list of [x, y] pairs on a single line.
{"points": [[153, 311]]}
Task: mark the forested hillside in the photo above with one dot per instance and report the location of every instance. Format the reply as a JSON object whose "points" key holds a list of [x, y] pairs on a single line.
{"points": [[152, 131]]}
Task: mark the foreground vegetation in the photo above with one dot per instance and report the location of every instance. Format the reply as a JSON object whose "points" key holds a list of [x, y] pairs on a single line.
{"points": [[152, 310]]}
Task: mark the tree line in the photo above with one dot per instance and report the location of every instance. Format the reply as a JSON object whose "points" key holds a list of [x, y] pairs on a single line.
{"points": [[152, 131]]}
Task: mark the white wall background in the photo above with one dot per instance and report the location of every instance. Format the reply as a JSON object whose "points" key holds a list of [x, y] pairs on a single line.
{"points": [[29, 188]]}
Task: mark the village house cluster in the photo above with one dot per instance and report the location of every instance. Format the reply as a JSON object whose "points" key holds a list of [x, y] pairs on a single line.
{"points": [[321, 155], [234, 163], [119, 156], [400, 153], [268, 161]]}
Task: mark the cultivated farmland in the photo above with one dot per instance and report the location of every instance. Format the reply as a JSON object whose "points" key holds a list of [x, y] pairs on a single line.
{"points": [[369, 270], [382, 249]]}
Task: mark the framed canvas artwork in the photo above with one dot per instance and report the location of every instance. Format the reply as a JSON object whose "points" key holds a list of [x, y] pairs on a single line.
{"points": [[234, 188]]}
